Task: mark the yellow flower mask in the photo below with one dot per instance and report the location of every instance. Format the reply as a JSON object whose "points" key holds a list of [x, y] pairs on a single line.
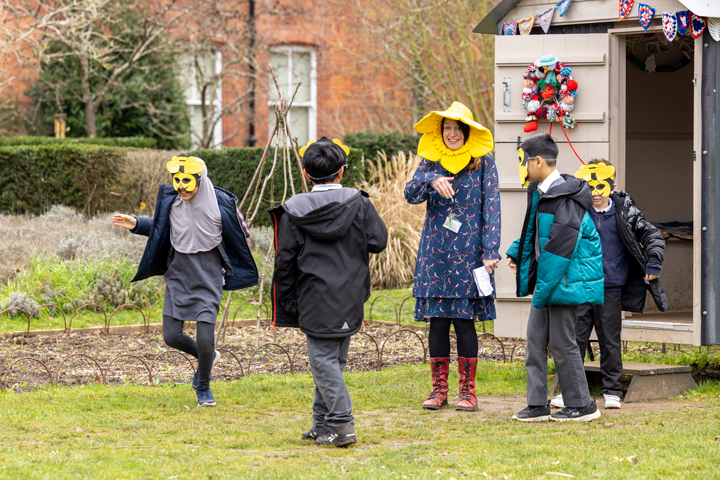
{"points": [[337, 142], [185, 172], [599, 176], [433, 148], [522, 167]]}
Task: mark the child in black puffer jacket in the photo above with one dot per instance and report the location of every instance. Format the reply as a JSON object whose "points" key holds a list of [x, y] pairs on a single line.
{"points": [[633, 252]]}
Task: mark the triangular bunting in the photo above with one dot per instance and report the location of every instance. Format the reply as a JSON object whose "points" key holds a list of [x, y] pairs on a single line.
{"points": [[713, 24], [501, 28], [669, 25], [525, 25], [683, 21], [563, 5], [545, 18], [625, 7], [645, 15], [697, 24], [510, 28]]}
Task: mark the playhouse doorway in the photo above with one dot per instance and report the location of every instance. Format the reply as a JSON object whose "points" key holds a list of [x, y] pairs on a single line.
{"points": [[658, 165]]}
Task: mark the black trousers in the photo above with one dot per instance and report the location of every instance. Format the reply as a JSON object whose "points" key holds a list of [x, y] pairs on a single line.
{"points": [[203, 349], [467, 342], [607, 320]]}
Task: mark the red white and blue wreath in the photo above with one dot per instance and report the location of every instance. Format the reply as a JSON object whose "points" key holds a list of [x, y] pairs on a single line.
{"points": [[549, 93]]}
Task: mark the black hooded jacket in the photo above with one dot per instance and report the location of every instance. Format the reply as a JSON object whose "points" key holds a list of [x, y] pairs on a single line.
{"points": [[646, 245], [322, 279]]}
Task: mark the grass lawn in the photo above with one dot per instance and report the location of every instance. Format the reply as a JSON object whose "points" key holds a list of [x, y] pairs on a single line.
{"points": [[157, 432]]}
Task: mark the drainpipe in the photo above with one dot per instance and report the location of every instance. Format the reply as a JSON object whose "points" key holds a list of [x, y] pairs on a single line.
{"points": [[251, 25]]}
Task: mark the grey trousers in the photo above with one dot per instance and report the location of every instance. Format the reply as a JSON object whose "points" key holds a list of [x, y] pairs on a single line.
{"points": [[607, 320], [332, 407], [556, 325]]}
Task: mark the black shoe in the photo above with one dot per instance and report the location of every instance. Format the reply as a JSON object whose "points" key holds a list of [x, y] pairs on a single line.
{"points": [[585, 414], [313, 434], [338, 437], [533, 414]]}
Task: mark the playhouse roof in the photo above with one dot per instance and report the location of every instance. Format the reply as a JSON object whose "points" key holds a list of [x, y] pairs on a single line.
{"points": [[704, 8]]}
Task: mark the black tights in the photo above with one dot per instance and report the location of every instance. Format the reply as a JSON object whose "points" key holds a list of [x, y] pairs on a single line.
{"points": [[203, 349], [467, 342]]}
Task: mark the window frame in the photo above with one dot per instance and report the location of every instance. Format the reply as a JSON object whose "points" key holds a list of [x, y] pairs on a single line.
{"points": [[312, 104], [217, 104]]}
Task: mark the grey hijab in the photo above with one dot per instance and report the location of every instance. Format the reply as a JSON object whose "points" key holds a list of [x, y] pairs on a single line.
{"points": [[196, 225]]}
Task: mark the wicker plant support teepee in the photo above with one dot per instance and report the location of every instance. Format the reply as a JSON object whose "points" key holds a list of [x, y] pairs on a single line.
{"points": [[283, 142]]}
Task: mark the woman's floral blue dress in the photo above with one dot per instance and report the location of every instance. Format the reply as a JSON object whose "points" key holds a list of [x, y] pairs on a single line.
{"points": [[444, 285]]}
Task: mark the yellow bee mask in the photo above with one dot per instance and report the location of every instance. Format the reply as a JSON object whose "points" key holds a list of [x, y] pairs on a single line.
{"points": [[185, 172], [599, 176], [522, 167]]}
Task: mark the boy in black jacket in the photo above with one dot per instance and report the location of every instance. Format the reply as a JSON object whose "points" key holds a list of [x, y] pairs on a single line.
{"points": [[322, 279], [633, 251]]}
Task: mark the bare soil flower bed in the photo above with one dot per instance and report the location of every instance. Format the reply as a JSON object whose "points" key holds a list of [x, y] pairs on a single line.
{"points": [[82, 358]]}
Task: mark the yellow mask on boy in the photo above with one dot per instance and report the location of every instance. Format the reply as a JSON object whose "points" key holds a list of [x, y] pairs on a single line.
{"points": [[522, 167], [185, 172], [599, 176]]}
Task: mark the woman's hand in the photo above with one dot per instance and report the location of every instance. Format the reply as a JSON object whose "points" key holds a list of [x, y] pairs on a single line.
{"points": [[443, 186], [511, 263], [491, 264], [124, 221], [650, 277]]}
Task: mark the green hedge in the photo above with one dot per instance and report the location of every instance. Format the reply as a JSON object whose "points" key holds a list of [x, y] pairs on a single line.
{"points": [[80, 176], [370, 144], [129, 142], [233, 168]]}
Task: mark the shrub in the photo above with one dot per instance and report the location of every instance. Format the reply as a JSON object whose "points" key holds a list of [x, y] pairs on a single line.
{"points": [[21, 301], [128, 142], [79, 176], [371, 144], [395, 266]]}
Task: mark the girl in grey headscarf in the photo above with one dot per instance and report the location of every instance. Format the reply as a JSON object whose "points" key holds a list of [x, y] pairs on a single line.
{"points": [[194, 223]]}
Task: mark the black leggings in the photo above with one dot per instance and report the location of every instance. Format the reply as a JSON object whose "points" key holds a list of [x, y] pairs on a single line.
{"points": [[203, 349], [467, 342]]}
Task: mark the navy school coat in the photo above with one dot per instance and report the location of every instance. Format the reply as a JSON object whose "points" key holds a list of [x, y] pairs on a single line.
{"points": [[157, 229]]}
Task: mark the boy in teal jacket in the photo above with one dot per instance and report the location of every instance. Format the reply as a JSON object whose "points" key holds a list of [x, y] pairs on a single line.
{"points": [[558, 259]]}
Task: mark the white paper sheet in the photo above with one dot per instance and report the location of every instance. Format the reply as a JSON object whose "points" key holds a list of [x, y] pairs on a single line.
{"points": [[482, 280]]}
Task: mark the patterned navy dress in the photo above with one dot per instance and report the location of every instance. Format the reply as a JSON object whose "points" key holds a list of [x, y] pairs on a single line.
{"points": [[444, 285]]}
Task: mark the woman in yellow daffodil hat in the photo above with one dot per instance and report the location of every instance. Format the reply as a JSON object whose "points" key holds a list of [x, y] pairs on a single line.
{"points": [[454, 156], [460, 240]]}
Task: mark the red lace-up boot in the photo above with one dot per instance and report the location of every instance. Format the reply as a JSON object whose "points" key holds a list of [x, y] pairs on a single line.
{"points": [[438, 396], [467, 399]]}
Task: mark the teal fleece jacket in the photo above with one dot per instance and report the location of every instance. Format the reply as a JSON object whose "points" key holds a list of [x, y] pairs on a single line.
{"points": [[558, 254]]}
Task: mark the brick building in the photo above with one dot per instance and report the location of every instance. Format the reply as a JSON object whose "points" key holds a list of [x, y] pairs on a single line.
{"points": [[315, 42]]}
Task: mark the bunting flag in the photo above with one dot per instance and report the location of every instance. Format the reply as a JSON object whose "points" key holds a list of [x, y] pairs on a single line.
{"points": [[525, 25], [563, 5], [698, 25], [683, 21], [645, 15], [510, 28], [625, 7], [501, 28], [714, 27], [545, 18], [669, 21]]}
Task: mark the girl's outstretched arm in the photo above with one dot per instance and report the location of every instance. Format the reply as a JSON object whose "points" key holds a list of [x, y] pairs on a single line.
{"points": [[137, 225]]}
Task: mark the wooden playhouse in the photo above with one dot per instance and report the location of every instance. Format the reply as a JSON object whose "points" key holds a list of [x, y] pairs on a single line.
{"points": [[658, 130]]}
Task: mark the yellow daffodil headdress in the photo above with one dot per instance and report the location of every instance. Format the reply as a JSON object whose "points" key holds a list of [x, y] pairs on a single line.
{"points": [[599, 176], [433, 148], [186, 172], [336, 153]]}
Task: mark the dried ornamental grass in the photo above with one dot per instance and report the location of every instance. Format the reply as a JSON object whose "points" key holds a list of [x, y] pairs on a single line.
{"points": [[395, 266]]}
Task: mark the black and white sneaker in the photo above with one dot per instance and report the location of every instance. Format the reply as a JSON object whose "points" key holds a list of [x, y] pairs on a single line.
{"points": [[533, 414], [338, 438], [585, 414], [313, 434]]}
